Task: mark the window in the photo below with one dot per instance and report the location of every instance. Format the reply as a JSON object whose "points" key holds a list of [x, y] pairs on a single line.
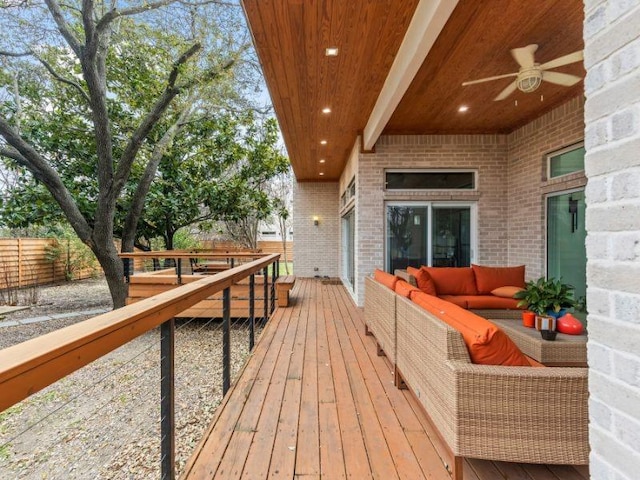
{"points": [[440, 234], [430, 180], [566, 161], [349, 193]]}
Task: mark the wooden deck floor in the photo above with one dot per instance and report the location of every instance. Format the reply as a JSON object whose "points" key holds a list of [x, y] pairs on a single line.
{"points": [[315, 401]]}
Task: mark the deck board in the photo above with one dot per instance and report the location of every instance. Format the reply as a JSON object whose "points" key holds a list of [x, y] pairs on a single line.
{"points": [[315, 401]]}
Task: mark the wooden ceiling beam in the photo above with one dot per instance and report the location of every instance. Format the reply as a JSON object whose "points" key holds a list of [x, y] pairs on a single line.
{"points": [[428, 21]]}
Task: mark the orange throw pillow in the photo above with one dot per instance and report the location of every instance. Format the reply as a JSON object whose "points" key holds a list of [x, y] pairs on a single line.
{"points": [[487, 344], [423, 279], [405, 288], [453, 280], [506, 292], [385, 278], [490, 278]]}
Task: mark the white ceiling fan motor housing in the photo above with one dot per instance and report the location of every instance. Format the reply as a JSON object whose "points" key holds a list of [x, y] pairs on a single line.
{"points": [[529, 79]]}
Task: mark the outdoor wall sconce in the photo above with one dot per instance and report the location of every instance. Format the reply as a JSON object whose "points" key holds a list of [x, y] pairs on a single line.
{"points": [[316, 220]]}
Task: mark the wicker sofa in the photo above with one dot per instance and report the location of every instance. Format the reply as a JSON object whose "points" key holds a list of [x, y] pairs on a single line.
{"points": [[514, 414]]}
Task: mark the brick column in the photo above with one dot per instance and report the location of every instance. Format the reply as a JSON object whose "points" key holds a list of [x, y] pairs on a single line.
{"points": [[612, 166]]}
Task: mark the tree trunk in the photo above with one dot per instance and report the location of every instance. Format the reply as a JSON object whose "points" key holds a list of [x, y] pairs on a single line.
{"points": [[111, 264]]}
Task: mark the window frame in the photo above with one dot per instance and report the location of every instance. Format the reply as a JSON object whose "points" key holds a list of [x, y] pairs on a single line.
{"points": [[556, 153], [473, 171]]}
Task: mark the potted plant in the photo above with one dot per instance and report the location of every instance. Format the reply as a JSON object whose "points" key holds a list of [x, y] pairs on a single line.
{"points": [[546, 296]]}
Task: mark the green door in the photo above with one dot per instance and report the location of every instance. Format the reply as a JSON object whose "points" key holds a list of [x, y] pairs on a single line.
{"points": [[566, 253]]}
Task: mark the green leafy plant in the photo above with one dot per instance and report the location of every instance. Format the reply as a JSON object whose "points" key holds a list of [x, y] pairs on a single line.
{"points": [[544, 294]]}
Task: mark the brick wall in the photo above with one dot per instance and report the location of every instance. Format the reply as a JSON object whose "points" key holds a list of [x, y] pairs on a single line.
{"points": [[510, 195], [612, 117], [485, 153], [316, 247], [527, 185]]}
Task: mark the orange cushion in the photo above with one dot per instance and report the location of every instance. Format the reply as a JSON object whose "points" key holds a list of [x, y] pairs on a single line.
{"points": [[404, 288], [490, 278], [385, 278], [423, 279], [490, 301], [487, 344], [460, 300], [506, 292], [453, 280]]}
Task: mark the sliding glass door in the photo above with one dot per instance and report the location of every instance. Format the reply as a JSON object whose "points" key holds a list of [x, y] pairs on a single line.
{"points": [[436, 234], [566, 234]]}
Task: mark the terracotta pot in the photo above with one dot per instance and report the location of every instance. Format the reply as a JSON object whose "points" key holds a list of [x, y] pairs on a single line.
{"points": [[528, 319]]}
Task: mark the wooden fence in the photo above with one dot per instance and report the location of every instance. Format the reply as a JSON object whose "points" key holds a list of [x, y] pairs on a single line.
{"points": [[24, 262]]}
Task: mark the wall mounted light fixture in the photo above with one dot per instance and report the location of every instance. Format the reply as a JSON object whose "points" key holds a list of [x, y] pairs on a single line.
{"points": [[316, 220]]}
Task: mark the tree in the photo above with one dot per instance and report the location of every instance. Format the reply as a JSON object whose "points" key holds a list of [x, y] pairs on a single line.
{"points": [[244, 199], [82, 112], [282, 195]]}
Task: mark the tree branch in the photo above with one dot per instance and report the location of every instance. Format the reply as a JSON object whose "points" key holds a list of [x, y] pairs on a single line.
{"points": [[27, 156], [148, 122], [114, 13], [63, 27], [137, 202], [62, 79], [5, 53]]}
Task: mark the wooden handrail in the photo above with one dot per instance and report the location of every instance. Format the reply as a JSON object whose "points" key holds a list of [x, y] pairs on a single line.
{"points": [[183, 254], [30, 366]]}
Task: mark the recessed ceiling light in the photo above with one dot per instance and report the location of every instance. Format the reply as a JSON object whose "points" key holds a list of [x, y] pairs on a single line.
{"points": [[323, 142], [331, 52], [322, 160], [326, 110], [463, 108], [321, 173]]}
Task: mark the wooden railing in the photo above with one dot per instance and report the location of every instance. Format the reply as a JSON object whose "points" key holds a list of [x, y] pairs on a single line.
{"points": [[30, 366]]}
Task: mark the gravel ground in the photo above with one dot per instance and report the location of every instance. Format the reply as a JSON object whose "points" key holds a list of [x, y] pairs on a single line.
{"points": [[103, 420]]}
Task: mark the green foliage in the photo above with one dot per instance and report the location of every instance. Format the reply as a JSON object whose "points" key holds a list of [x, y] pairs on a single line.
{"points": [[74, 255], [184, 240], [217, 170], [543, 294]]}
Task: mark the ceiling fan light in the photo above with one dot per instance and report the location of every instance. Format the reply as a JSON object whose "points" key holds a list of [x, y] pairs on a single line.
{"points": [[529, 83]]}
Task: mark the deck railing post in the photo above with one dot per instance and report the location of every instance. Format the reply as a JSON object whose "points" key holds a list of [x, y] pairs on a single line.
{"points": [[233, 262], [226, 340], [274, 276], [167, 401], [127, 271], [179, 271], [265, 275], [252, 311]]}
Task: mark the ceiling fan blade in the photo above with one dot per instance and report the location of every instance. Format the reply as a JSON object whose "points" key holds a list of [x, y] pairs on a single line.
{"points": [[506, 92], [560, 78], [524, 55], [564, 60], [488, 79]]}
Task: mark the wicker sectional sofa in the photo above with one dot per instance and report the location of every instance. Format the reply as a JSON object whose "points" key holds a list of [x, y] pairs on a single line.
{"points": [[514, 414]]}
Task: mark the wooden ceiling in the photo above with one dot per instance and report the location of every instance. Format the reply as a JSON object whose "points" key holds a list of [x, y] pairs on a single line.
{"points": [[291, 37]]}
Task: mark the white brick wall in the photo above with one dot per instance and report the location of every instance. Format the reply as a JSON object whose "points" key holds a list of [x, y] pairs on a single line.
{"points": [[612, 118], [315, 247]]}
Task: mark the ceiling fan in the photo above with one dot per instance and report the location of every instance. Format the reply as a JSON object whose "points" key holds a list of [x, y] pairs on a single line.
{"points": [[532, 74]]}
